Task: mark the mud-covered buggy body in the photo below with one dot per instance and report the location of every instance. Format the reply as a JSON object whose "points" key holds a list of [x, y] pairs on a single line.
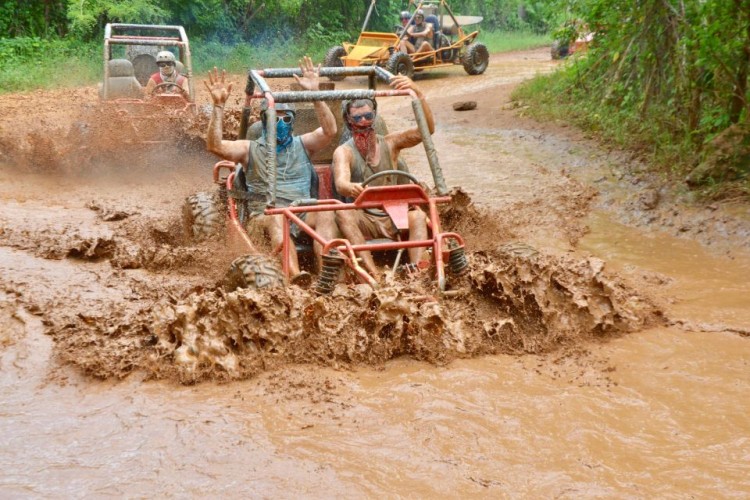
{"points": [[255, 270], [451, 44], [129, 60]]}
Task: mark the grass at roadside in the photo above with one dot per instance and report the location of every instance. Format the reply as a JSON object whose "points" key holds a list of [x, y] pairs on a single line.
{"points": [[506, 41], [563, 97], [45, 65], [63, 64]]}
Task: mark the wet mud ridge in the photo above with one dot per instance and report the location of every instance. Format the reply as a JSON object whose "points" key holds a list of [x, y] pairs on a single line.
{"points": [[512, 301], [153, 300]]}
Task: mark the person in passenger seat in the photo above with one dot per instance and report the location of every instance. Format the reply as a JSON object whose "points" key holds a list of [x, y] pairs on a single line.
{"points": [[421, 33]]}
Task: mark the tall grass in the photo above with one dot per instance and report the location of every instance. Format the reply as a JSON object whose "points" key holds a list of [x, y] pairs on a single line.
{"points": [[34, 64]]}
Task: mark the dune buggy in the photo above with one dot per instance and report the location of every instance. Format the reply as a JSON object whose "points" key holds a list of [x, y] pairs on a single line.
{"points": [[129, 59], [202, 212], [451, 45]]}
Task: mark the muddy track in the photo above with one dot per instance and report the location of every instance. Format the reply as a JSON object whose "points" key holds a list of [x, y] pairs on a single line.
{"points": [[598, 316]]}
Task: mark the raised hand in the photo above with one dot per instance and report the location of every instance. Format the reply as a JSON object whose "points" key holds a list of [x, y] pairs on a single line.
{"points": [[310, 75], [403, 82], [218, 90]]}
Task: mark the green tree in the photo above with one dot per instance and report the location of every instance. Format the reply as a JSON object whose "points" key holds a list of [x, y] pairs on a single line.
{"points": [[21, 18], [88, 17]]}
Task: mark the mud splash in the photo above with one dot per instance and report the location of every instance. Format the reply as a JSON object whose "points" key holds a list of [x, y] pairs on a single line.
{"points": [[511, 302]]}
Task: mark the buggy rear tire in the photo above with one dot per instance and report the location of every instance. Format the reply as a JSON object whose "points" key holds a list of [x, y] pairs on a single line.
{"points": [[333, 60], [400, 64], [202, 216], [257, 272], [476, 58]]}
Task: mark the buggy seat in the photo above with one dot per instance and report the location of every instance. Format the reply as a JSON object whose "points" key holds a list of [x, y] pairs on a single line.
{"points": [[433, 20], [122, 81]]}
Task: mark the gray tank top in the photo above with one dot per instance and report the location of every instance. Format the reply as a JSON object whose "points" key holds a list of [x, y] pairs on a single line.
{"points": [[294, 177]]}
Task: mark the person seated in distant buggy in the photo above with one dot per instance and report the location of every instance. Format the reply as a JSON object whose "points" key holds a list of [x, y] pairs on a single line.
{"points": [[295, 175], [404, 18], [171, 81], [418, 35]]}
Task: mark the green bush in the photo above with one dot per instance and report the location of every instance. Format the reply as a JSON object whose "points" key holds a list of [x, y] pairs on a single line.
{"points": [[30, 63]]}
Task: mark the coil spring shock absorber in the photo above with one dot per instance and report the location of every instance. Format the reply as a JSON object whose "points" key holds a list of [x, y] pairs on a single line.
{"points": [[329, 274], [457, 260]]}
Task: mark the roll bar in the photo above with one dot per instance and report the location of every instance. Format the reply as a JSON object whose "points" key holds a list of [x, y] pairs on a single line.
{"points": [[257, 78]]}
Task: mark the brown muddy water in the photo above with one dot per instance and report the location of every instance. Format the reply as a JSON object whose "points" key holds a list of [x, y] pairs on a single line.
{"points": [[613, 362]]}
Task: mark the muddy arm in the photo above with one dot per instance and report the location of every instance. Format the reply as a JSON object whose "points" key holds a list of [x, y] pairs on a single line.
{"points": [[322, 136], [235, 151], [411, 137], [342, 174]]}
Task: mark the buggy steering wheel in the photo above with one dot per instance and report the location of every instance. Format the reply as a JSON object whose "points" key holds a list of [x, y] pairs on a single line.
{"points": [[164, 85], [377, 212]]}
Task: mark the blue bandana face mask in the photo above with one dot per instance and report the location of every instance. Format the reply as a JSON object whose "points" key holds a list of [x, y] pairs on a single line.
{"points": [[283, 134]]}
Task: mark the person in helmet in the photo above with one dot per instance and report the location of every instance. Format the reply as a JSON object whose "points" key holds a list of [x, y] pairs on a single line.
{"points": [[368, 153], [295, 178], [167, 74], [404, 18], [418, 34]]}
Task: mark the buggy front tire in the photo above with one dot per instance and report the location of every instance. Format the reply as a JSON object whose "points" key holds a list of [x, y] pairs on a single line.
{"points": [[400, 64], [476, 58], [333, 60], [256, 272], [202, 216]]}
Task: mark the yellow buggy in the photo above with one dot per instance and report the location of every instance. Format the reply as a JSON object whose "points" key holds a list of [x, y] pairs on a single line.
{"points": [[451, 44]]}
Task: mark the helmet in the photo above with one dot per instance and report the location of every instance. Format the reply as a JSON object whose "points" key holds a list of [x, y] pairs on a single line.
{"points": [[165, 56], [418, 13], [405, 15], [280, 106]]}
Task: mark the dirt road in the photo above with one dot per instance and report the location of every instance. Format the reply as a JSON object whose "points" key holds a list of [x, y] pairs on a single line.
{"points": [[601, 348]]}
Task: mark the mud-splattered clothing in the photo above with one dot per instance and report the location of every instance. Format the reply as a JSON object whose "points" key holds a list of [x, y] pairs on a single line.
{"points": [[295, 175], [372, 226], [361, 170], [175, 78]]}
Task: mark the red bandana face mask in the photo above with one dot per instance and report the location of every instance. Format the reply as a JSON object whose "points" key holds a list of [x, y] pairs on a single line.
{"points": [[365, 138]]}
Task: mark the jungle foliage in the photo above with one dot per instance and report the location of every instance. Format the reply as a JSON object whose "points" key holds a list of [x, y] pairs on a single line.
{"points": [[245, 20], [39, 37], [669, 76]]}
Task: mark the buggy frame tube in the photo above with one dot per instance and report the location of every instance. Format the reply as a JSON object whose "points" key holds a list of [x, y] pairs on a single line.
{"points": [[233, 216], [369, 13], [436, 243]]}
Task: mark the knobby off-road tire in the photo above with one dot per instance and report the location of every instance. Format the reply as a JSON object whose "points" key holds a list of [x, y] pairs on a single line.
{"points": [[476, 58], [400, 64], [257, 272], [202, 216], [333, 60]]}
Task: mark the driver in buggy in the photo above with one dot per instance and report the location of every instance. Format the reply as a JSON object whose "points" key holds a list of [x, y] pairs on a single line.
{"points": [[167, 80], [296, 177], [368, 153]]}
